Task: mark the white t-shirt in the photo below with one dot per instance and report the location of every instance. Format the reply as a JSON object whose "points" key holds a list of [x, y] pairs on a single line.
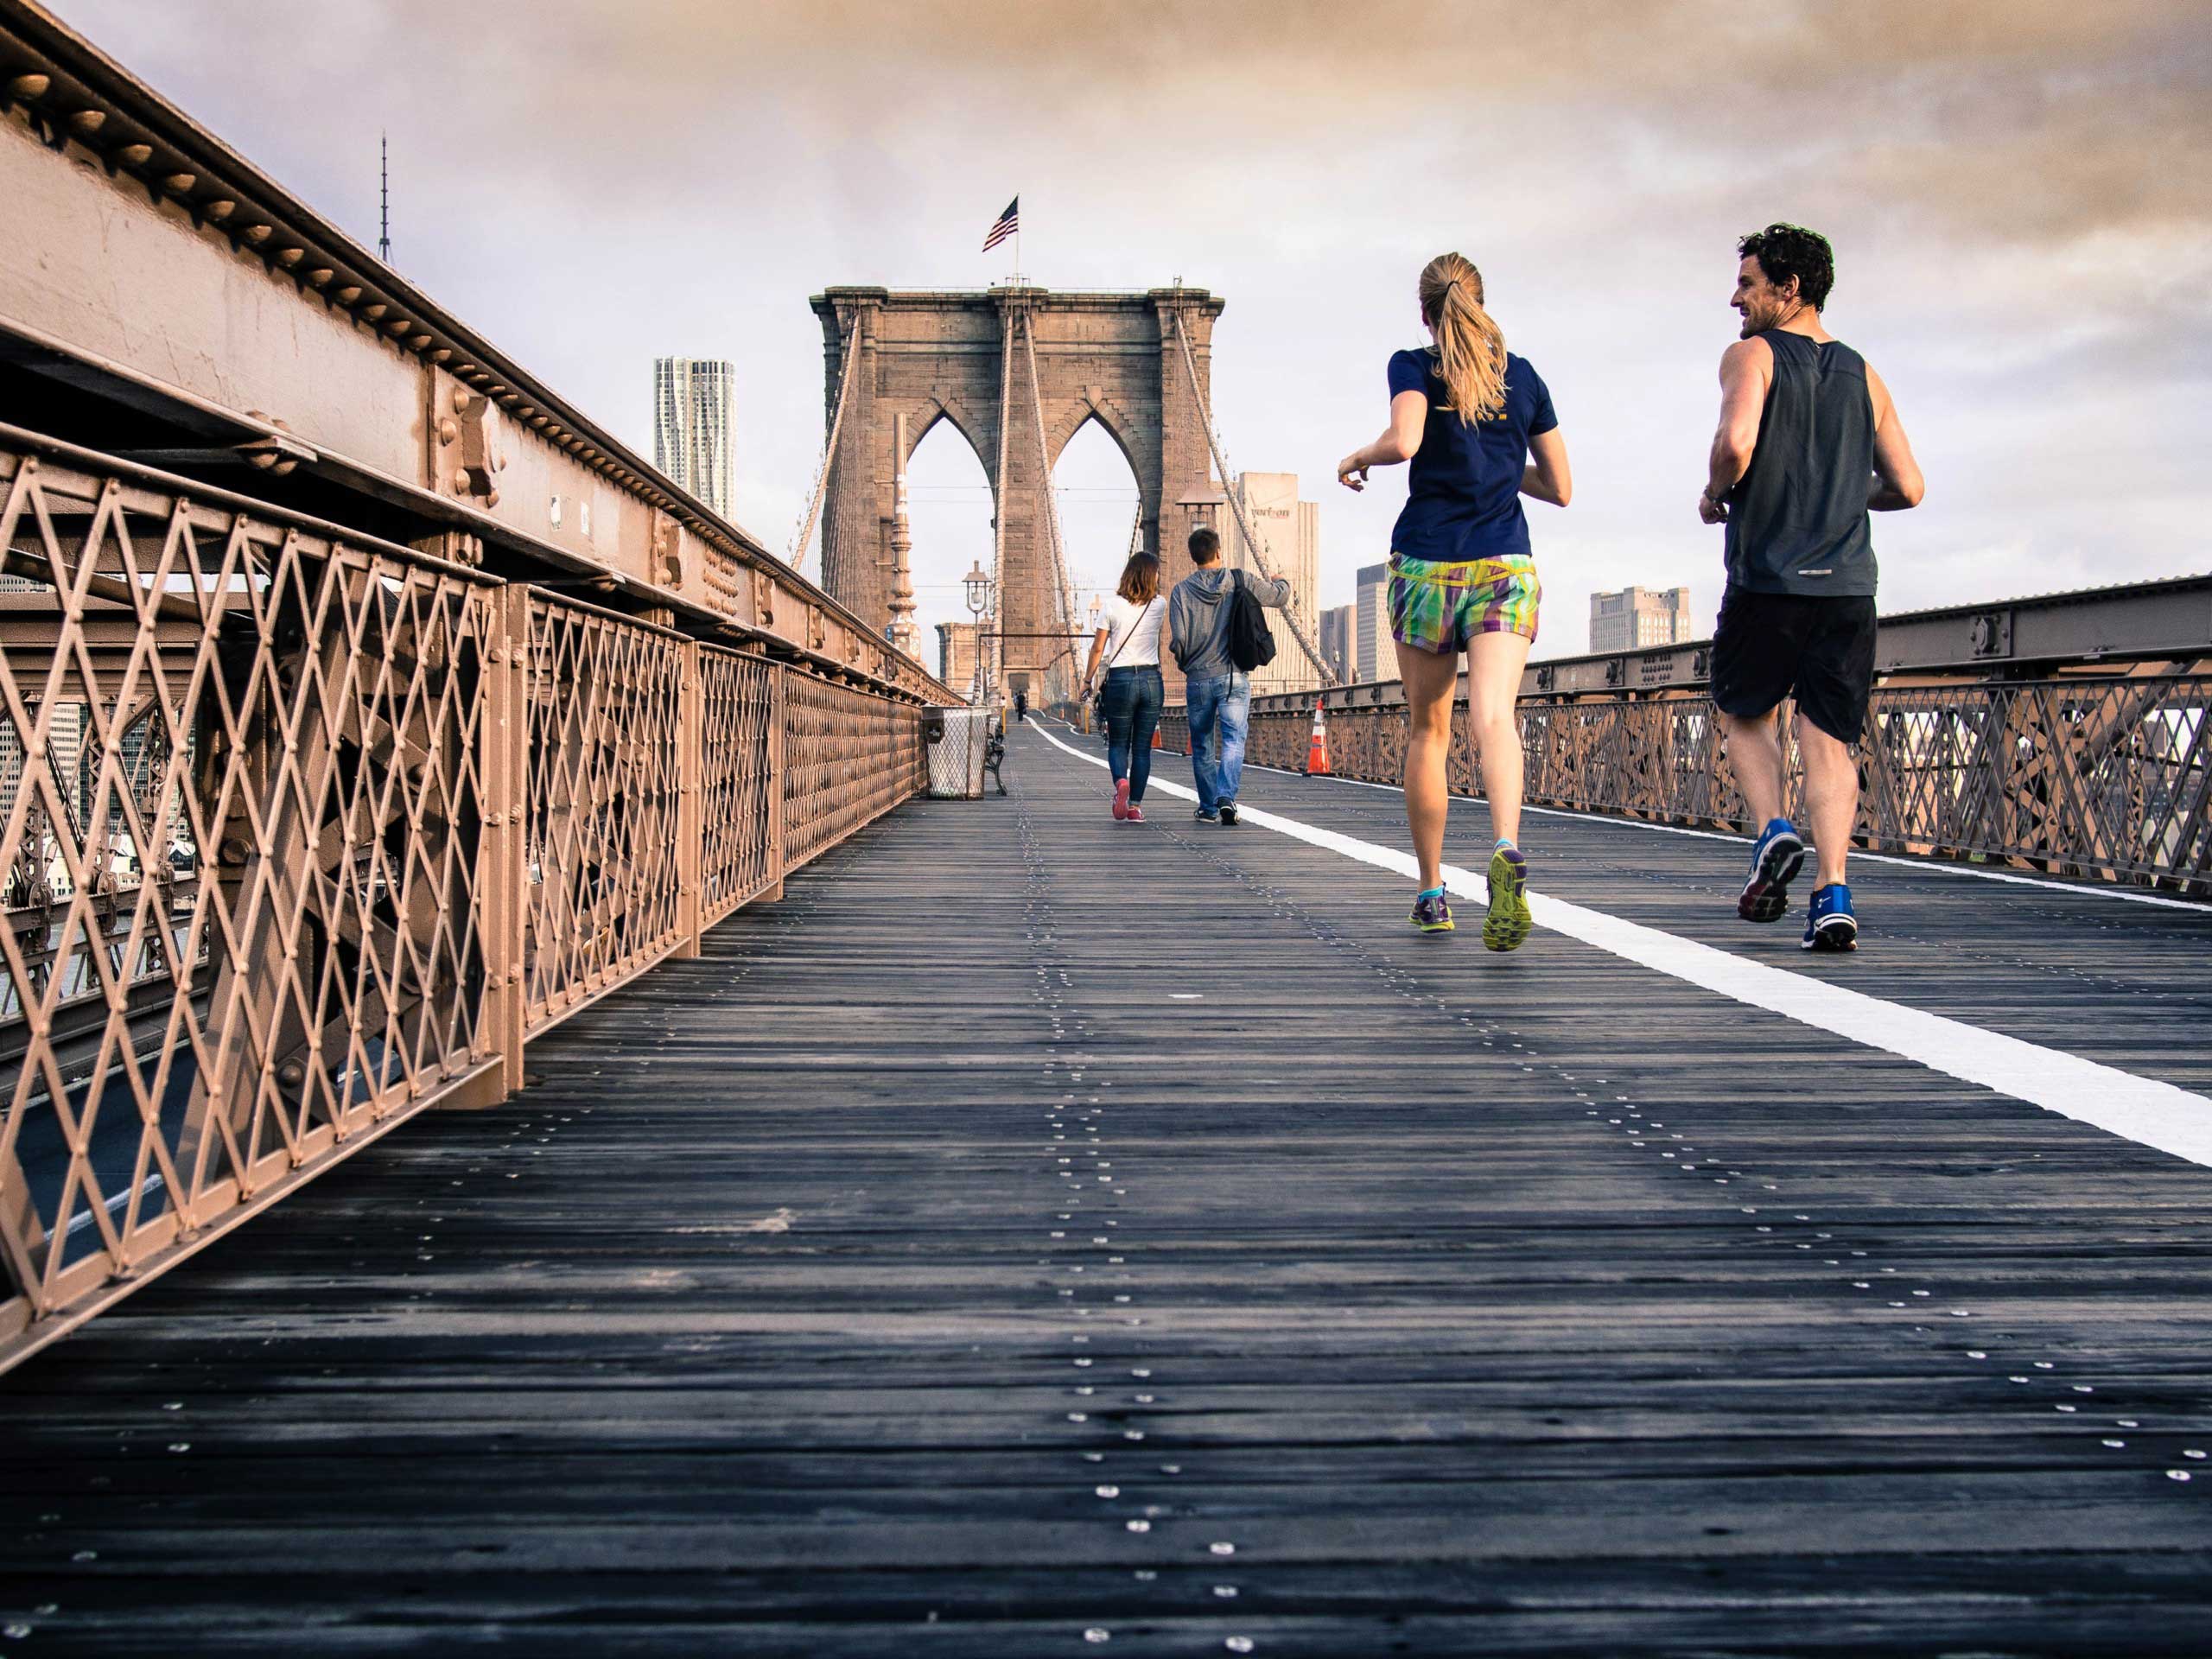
{"points": [[1132, 634]]}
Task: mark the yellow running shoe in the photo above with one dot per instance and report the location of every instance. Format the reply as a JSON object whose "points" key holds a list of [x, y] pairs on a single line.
{"points": [[1508, 921], [1432, 912]]}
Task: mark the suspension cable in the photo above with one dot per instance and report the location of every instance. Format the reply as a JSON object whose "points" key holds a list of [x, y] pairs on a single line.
{"points": [[1220, 465], [1060, 590], [828, 449], [999, 497]]}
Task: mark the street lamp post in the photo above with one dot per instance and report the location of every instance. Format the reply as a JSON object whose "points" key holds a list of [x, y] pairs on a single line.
{"points": [[977, 583]]}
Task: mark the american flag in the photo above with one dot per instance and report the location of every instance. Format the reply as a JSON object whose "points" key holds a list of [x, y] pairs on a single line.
{"points": [[1009, 223]]}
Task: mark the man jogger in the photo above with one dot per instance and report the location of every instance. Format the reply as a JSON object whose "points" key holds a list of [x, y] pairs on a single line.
{"points": [[1809, 444]]}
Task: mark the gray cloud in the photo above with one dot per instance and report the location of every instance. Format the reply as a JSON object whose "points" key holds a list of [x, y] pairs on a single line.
{"points": [[2016, 188]]}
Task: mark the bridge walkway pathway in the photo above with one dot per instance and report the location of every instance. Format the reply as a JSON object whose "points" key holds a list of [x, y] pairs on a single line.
{"points": [[1036, 1234]]}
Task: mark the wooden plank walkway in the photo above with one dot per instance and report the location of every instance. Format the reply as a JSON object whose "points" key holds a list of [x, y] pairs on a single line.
{"points": [[1037, 1235]]}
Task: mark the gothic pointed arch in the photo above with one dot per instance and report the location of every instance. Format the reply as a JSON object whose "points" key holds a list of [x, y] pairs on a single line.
{"points": [[943, 355]]}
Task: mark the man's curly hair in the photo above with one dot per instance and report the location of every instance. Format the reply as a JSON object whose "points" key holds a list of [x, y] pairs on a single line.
{"points": [[1787, 250]]}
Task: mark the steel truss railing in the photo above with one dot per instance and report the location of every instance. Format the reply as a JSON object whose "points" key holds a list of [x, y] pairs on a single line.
{"points": [[2106, 778], [338, 828]]}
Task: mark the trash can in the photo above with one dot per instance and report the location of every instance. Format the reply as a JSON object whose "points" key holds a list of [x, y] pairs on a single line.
{"points": [[957, 753]]}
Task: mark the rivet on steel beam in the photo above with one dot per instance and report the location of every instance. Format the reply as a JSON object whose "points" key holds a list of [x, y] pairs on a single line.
{"points": [[443, 354], [400, 325], [348, 293], [134, 154], [374, 310], [291, 257], [418, 342], [219, 209], [30, 86], [320, 276], [258, 234], [88, 122], [180, 183]]}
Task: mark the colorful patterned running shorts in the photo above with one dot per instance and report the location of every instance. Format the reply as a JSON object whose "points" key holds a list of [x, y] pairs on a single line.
{"points": [[1437, 607]]}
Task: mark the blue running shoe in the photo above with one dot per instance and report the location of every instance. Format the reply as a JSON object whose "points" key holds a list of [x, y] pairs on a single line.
{"points": [[1831, 926], [1777, 857], [1432, 912]]}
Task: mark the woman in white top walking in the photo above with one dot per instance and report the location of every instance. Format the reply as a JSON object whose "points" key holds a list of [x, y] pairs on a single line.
{"points": [[1136, 616]]}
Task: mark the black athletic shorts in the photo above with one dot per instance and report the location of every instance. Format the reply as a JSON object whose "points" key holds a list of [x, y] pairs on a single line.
{"points": [[1769, 647]]}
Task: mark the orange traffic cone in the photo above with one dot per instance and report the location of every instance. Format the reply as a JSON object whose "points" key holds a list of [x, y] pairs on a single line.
{"points": [[1317, 752], [1156, 743]]}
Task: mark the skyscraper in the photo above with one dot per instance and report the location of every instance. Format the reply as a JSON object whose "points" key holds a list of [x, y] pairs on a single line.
{"points": [[1375, 653], [1636, 617], [1290, 545], [1338, 624], [691, 426]]}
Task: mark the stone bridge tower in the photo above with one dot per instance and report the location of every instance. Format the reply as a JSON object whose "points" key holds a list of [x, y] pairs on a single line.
{"points": [[919, 358]]}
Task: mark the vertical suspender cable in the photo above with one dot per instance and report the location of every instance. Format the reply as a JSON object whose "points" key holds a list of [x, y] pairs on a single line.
{"points": [[1251, 540], [999, 500], [828, 449], [1060, 590]]}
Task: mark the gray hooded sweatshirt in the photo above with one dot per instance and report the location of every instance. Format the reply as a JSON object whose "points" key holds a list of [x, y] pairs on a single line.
{"points": [[1197, 620]]}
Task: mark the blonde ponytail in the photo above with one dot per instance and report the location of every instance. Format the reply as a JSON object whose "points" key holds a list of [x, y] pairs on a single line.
{"points": [[1470, 344]]}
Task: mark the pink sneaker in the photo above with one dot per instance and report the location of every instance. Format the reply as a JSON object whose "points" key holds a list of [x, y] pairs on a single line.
{"points": [[1136, 814], [1121, 798]]}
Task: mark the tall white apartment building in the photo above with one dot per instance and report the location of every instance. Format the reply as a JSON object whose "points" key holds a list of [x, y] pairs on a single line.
{"points": [[1290, 544], [1374, 653], [691, 426]]}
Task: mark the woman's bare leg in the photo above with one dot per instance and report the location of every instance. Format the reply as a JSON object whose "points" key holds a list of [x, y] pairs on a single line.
{"points": [[1432, 683], [1494, 666]]}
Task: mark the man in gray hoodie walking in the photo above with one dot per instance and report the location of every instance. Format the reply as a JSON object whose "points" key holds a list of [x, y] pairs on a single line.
{"points": [[1216, 693]]}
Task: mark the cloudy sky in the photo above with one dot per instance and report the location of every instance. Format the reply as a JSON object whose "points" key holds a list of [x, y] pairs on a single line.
{"points": [[2019, 191]]}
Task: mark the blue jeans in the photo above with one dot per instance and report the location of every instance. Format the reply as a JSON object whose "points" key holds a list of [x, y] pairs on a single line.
{"points": [[1220, 710], [1133, 698]]}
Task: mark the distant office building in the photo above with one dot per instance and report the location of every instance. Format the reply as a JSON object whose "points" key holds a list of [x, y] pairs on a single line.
{"points": [[956, 657], [1374, 653], [1290, 544], [1637, 617], [1338, 625], [691, 426]]}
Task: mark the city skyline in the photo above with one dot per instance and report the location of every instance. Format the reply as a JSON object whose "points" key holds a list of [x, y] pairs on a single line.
{"points": [[2022, 249]]}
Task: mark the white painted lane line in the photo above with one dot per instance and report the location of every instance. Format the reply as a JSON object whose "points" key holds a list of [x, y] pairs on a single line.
{"points": [[1933, 866], [2149, 1113]]}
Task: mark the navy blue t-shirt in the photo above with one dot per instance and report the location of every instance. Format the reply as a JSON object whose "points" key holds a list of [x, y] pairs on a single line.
{"points": [[1463, 498]]}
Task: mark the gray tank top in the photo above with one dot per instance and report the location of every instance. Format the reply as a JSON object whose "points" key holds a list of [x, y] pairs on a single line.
{"points": [[1797, 519]]}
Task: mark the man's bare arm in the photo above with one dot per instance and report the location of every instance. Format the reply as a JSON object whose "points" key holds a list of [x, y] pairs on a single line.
{"points": [[1746, 370], [1897, 483]]}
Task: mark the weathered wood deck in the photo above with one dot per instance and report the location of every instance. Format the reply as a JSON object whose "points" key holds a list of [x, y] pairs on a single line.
{"points": [[1036, 1234]]}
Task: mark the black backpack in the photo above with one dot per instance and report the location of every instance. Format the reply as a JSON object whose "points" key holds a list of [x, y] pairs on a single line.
{"points": [[1249, 640]]}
